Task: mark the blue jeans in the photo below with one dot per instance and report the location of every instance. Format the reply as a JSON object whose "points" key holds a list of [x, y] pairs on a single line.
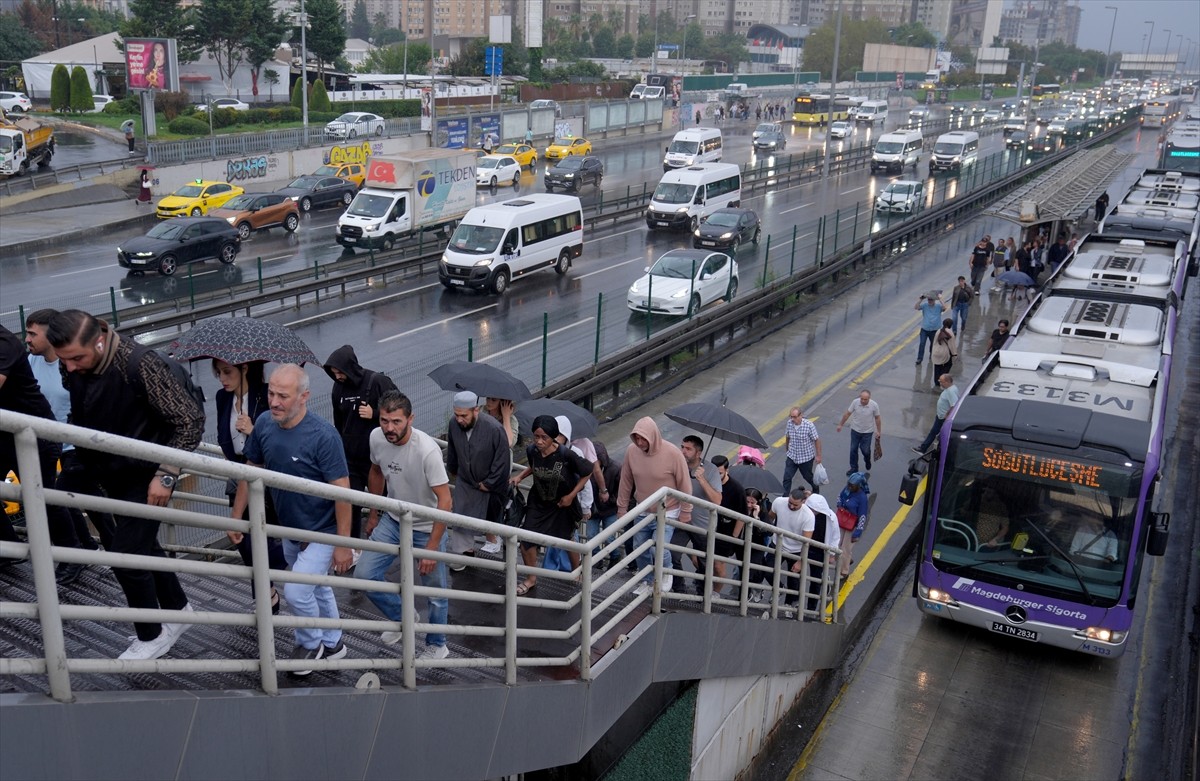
{"points": [[374, 566], [596, 525], [312, 601], [925, 336], [933, 433], [790, 468], [960, 316], [860, 443], [646, 558]]}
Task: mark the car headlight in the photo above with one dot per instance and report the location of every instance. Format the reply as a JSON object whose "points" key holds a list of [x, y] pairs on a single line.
{"points": [[681, 293], [568, 176], [682, 210], [231, 220], [484, 262], [634, 289], [375, 226], [728, 235], [143, 254], [936, 595], [1105, 635], [294, 197]]}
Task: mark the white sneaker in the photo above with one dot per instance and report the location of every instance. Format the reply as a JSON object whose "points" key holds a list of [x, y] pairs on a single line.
{"points": [[178, 629], [391, 638], [667, 582], [642, 589], [434, 652], [756, 597], [492, 548], [150, 649]]}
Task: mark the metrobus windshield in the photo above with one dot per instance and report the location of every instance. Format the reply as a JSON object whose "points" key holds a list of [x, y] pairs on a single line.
{"points": [[1054, 523]]}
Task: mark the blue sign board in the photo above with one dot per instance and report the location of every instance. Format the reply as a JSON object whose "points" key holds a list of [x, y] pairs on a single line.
{"points": [[451, 133], [668, 47], [493, 61]]}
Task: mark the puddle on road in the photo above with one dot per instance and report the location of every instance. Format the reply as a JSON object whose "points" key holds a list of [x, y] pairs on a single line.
{"points": [[74, 139]]}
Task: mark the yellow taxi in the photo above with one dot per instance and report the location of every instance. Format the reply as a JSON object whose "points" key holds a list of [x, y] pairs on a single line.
{"points": [[565, 147], [196, 199], [525, 154], [351, 172]]}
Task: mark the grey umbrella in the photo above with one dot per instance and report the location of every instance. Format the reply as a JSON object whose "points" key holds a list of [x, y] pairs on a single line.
{"points": [[583, 423], [720, 422], [481, 379], [1016, 278], [242, 340], [756, 477]]}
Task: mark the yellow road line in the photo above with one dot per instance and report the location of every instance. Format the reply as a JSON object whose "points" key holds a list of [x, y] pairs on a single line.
{"points": [[857, 574], [889, 356]]}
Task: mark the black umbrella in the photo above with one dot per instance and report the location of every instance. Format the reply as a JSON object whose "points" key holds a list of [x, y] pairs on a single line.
{"points": [[756, 477], [720, 422], [481, 379], [242, 340], [583, 423]]}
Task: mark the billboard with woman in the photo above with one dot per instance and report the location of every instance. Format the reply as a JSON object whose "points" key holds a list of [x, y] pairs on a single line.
{"points": [[152, 64]]}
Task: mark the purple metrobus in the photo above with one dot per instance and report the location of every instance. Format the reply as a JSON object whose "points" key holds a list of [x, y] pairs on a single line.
{"points": [[1039, 507]]}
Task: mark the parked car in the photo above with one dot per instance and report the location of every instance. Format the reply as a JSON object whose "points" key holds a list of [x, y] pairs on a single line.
{"points": [[899, 197], [772, 140], [573, 173], [682, 281], [841, 129], [526, 155], [565, 147], [356, 124], [1017, 139], [99, 102], [180, 241], [195, 199], [258, 211], [727, 229], [15, 102], [351, 172], [546, 103], [313, 192], [493, 170], [232, 103]]}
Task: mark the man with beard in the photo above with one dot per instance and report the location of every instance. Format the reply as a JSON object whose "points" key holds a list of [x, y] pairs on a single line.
{"points": [[407, 462], [479, 458]]}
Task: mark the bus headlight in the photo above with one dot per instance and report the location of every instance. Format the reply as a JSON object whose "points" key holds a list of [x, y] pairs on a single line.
{"points": [[1105, 635], [936, 595], [484, 262]]}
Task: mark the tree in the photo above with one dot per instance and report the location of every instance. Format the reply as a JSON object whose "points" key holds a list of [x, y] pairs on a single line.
{"points": [[390, 59], [604, 44], [60, 88], [729, 48], [271, 77], [81, 90], [326, 33], [163, 19], [266, 30], [856, 34], [319, 99], [625, 46], [360, 25], [911, 34], [298, 92], [470, 59], [16, 41], [516, 54], [221, 27]]}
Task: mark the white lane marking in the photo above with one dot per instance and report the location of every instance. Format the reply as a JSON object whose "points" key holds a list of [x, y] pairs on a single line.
{"points": [[608, 268], [360, 305], [443, 321], [856, 189], [796, 208], [80, 271], [42, 255], [528, 342]]}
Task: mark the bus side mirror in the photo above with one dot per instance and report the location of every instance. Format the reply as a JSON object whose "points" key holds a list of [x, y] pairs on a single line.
{"points": [[908, 488], [1156, 544]]}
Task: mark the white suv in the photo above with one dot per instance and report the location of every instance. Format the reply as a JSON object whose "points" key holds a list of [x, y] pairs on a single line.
{"points": [[15, 102], [901, 196]]}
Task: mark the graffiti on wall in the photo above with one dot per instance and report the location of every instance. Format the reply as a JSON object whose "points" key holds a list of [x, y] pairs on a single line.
{"points": [[256, 167], [351, 153]]}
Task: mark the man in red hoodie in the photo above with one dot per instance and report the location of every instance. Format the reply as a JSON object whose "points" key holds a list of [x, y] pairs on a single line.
{"points": [[651, 463]]}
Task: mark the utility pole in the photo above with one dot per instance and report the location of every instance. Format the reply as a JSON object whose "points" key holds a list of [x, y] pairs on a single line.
{"points": [[824, 197], [304, 68], [1108, 54]]}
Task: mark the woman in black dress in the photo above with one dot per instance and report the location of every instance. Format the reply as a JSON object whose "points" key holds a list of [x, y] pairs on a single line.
{"points": [[733, 498], [559, 474]]}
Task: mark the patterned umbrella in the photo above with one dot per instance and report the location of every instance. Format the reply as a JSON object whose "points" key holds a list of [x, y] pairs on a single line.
{"points": [[242, 340], [481, 379]]}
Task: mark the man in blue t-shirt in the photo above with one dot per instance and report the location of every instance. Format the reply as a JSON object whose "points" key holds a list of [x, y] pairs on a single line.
{"points": [[931, 307], [290, 441]]}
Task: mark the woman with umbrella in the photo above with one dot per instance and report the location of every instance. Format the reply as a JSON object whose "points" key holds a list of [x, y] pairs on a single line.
{"points": [[559, 474], [241, 399]]}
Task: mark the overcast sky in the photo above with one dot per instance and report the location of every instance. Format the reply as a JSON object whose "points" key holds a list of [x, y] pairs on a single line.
{"points": [[1178, 16]]}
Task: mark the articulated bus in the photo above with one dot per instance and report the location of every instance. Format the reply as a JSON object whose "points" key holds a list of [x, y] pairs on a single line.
{"points": [[1038, 513], [1160, 112], [1181, 152], [819, 109], [1042, 91]]}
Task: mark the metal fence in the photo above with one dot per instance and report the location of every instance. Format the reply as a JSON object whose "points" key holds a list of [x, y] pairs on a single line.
{"points": [[762, 569]]}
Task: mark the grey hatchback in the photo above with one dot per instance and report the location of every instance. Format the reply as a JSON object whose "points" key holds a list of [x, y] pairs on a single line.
{"points": [[727, 229]]}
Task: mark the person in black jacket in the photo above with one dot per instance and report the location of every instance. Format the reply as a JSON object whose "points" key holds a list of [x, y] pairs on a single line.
{"points": [[604, 508], [242, 398], [355, 397]]}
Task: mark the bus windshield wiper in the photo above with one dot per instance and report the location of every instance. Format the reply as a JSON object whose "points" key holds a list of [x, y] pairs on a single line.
{"points": [[1074, 569]]}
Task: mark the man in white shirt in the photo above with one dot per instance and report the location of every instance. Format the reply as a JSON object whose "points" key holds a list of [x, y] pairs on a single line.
{"points": [[865, 424], [792, 515]]}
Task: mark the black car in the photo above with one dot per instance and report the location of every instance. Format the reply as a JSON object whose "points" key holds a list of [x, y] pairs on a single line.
{"points": [[770, 139], [571, 173], [180, 240], [1017, 139], [727, 229], [1044, 144], [312, 192]]}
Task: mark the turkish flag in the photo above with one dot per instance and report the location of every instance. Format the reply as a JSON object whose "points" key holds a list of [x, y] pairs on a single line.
{"points": [[382, 171]]}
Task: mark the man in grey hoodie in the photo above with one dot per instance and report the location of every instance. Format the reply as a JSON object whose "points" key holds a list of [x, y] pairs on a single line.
{"points": [[652, 463]]}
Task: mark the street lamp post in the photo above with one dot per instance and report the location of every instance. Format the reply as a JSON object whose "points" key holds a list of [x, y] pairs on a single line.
{"points": [[1178, 49], [1166, 45], [302, 18], [654, 54], [1149, 40], [1108, 54], [683, 45]]}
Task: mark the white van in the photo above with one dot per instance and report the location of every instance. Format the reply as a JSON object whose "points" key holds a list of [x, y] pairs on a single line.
{"points": [[686, 195], [501, 241], [693, 146], [954, 151], [647, 92], [896, 151], [871, 111]]}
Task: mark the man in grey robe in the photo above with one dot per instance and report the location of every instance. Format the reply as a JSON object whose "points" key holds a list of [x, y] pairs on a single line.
{"points": [[480, 461]]}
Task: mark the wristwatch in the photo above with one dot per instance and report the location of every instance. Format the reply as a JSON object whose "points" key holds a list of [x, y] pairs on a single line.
{"points": [[168, 481]]}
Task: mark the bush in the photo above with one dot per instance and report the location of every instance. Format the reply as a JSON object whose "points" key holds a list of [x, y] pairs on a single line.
{"points": [[187, 126], [322, 117], [285, 114], [390, 109], [60, 88], [172, 104], [256, 116], [81, 90], [225, 117], [319, 99], [297, 95]]}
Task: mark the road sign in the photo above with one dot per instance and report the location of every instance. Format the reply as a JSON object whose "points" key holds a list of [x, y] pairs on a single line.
{"points": [[493, 61]]}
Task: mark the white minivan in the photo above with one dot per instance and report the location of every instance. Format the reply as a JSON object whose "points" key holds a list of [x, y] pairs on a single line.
{"points": [[692, 146], [871, 111], [498, 242], [897, 150], [685, 196], [954, 151]]}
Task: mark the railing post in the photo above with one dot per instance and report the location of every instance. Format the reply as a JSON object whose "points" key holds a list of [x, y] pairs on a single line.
{"points": [[837, 229], [692, 293], [649, 298], [511, 546], [766, 262], [660, 545], [191, 287], [854, 235], [407, 610], [260, 276], [792, 262], [33, 498], [545, 343], [262, 588], [112, 303], [585, 616], [470, 349], [599, 315]]}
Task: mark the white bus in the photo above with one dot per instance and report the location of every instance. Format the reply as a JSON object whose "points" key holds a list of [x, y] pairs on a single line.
{"points": [[1160, 112], [954, 151], [499, 242], [686, 195], [692, 146]]}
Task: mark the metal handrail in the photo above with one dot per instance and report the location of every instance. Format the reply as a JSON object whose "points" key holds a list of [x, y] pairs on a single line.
{"points": [[49, 611]]}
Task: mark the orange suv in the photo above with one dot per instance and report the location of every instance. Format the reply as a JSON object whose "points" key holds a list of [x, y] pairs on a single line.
{"points": [[259, 211]]}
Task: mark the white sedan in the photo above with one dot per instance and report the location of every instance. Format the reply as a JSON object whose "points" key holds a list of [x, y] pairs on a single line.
{"points": [[682, 281], [492, 170], [900, 196], [841, 129], [232, 103], [354, 124]]}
